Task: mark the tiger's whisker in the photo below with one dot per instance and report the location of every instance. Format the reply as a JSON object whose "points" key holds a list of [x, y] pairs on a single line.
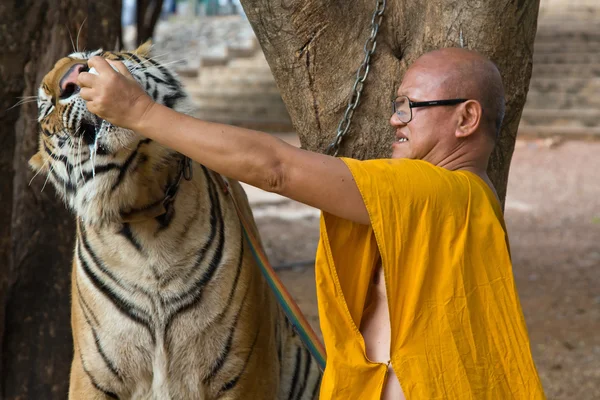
{"points": [[38, 172], [47, 177], [79, 32], [71, 37]]}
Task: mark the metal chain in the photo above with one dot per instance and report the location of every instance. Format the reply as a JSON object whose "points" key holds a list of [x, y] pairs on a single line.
{"points": [[361, 76]]}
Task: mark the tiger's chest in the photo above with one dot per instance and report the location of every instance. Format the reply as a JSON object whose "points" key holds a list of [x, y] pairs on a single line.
{"points": [[145, 317]]}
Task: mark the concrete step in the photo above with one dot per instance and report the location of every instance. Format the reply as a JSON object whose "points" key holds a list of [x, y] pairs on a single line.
{"points": [[246, 103], [568, 85], [567, 132], [216, 77], [566, 24], [561, 100], [573, 35], [258, 72], [263, 112], [199, 91], [561, 117], [262, 124], [257, 61], [566, 70], [567, 58], [567, 46]]}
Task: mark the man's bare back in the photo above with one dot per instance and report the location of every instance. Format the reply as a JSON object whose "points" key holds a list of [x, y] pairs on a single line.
{"points": [[376, 330]]}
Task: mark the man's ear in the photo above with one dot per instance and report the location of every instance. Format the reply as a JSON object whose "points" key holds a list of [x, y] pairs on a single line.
{"points": [[37, 163], [470, 114]]}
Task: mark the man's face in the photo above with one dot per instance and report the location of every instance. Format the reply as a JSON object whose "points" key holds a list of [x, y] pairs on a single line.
{"points": [[432, 128]]}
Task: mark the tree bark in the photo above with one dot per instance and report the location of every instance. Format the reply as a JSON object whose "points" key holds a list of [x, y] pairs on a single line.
{"points": [[314, 49], [36, 231], [147, 12]]}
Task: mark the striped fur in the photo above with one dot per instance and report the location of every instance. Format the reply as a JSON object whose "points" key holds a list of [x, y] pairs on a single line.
{"points": [[167, 301]]}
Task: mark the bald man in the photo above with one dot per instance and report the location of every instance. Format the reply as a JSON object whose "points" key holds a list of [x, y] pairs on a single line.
{"points": [[414, 280]]}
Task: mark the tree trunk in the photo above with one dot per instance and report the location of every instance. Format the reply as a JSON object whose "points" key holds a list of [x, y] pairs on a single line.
{"points": [[36, 231], [147, 14], [314, 49]]}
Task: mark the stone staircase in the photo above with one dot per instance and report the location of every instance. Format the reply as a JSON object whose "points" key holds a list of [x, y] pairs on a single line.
{"points": [[236, 87], [564, 93]]}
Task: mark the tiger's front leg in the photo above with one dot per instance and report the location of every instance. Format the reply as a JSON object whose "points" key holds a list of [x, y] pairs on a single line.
{"points": [[81, 386]]}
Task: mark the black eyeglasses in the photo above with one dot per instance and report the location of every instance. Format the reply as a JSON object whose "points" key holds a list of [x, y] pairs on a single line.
{"points": [[403, 106]]}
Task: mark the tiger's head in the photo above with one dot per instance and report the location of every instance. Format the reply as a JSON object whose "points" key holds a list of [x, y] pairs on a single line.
{"points": [[90, 161]]}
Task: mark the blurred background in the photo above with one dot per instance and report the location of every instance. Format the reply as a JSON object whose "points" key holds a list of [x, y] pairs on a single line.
{"points": [[553, 201]]}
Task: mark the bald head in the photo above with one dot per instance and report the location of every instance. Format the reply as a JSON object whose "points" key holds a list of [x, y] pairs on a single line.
{"points": [[461, 73]]}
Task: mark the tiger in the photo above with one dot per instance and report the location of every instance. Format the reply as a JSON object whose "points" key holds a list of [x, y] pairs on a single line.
{"points": [[167, 300]]}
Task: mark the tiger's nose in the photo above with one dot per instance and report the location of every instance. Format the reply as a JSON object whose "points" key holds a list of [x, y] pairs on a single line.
{"points": [[68, 83]]}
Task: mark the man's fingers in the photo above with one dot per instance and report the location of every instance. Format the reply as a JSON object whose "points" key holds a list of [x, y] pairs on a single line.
{"points": [[120, 67], [86, 93], [85, 79], [101, 65]]}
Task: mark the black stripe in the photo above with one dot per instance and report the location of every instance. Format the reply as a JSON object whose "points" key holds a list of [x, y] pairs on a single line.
{"points": [[157, 79], [109, 364], [67, 185], [193, 296], [296, 372], [231, 384], [170, 100], [193, 218], [68, 116], [187, 225], [123, 305], [218, 364], [55, 156], [308, 358], [87, 311], [82, 235], [125, 166], [83, 303], [317, 386], [151, 61], [126, 232], [96, 385], [135, 58], [235, 283], [99, 170], [215, 217]]}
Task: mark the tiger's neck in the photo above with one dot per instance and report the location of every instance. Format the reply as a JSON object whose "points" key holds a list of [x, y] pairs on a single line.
{"points": [[134, 192]]}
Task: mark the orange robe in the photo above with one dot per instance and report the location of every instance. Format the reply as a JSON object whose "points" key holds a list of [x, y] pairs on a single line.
{"points": [[457, 328]]}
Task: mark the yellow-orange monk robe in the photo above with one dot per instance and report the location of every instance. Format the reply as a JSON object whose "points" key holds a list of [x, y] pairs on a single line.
{"points": [[458, 330]]}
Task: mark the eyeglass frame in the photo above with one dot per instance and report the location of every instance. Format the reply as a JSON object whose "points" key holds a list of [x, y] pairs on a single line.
{"points": [[430, 103]]}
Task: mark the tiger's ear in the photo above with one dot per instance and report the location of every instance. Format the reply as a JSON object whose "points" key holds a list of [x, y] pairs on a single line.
{"points": [[37, 163], [144, 49]]}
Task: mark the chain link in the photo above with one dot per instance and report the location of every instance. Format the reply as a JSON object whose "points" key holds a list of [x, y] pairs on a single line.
{"points": [[361, 76]]}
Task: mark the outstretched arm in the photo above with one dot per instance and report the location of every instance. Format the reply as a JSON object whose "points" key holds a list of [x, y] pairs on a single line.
{"points": [[256, 158]]}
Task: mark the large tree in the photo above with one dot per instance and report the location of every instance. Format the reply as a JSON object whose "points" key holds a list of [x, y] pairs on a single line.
{"points": [[315, 47], [36, 232]]}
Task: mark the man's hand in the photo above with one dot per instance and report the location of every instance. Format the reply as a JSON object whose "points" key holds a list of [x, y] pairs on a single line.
{"points": [[114, 96]]}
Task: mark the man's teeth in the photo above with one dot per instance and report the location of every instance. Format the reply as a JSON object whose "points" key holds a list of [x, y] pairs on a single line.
{"points": [[403, 140]]}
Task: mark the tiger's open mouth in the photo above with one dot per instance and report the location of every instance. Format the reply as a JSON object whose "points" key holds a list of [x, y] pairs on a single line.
{"points": [[89, 132]]}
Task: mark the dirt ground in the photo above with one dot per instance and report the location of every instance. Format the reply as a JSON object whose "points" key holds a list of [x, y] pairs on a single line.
{"points": [[553, 218]]}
